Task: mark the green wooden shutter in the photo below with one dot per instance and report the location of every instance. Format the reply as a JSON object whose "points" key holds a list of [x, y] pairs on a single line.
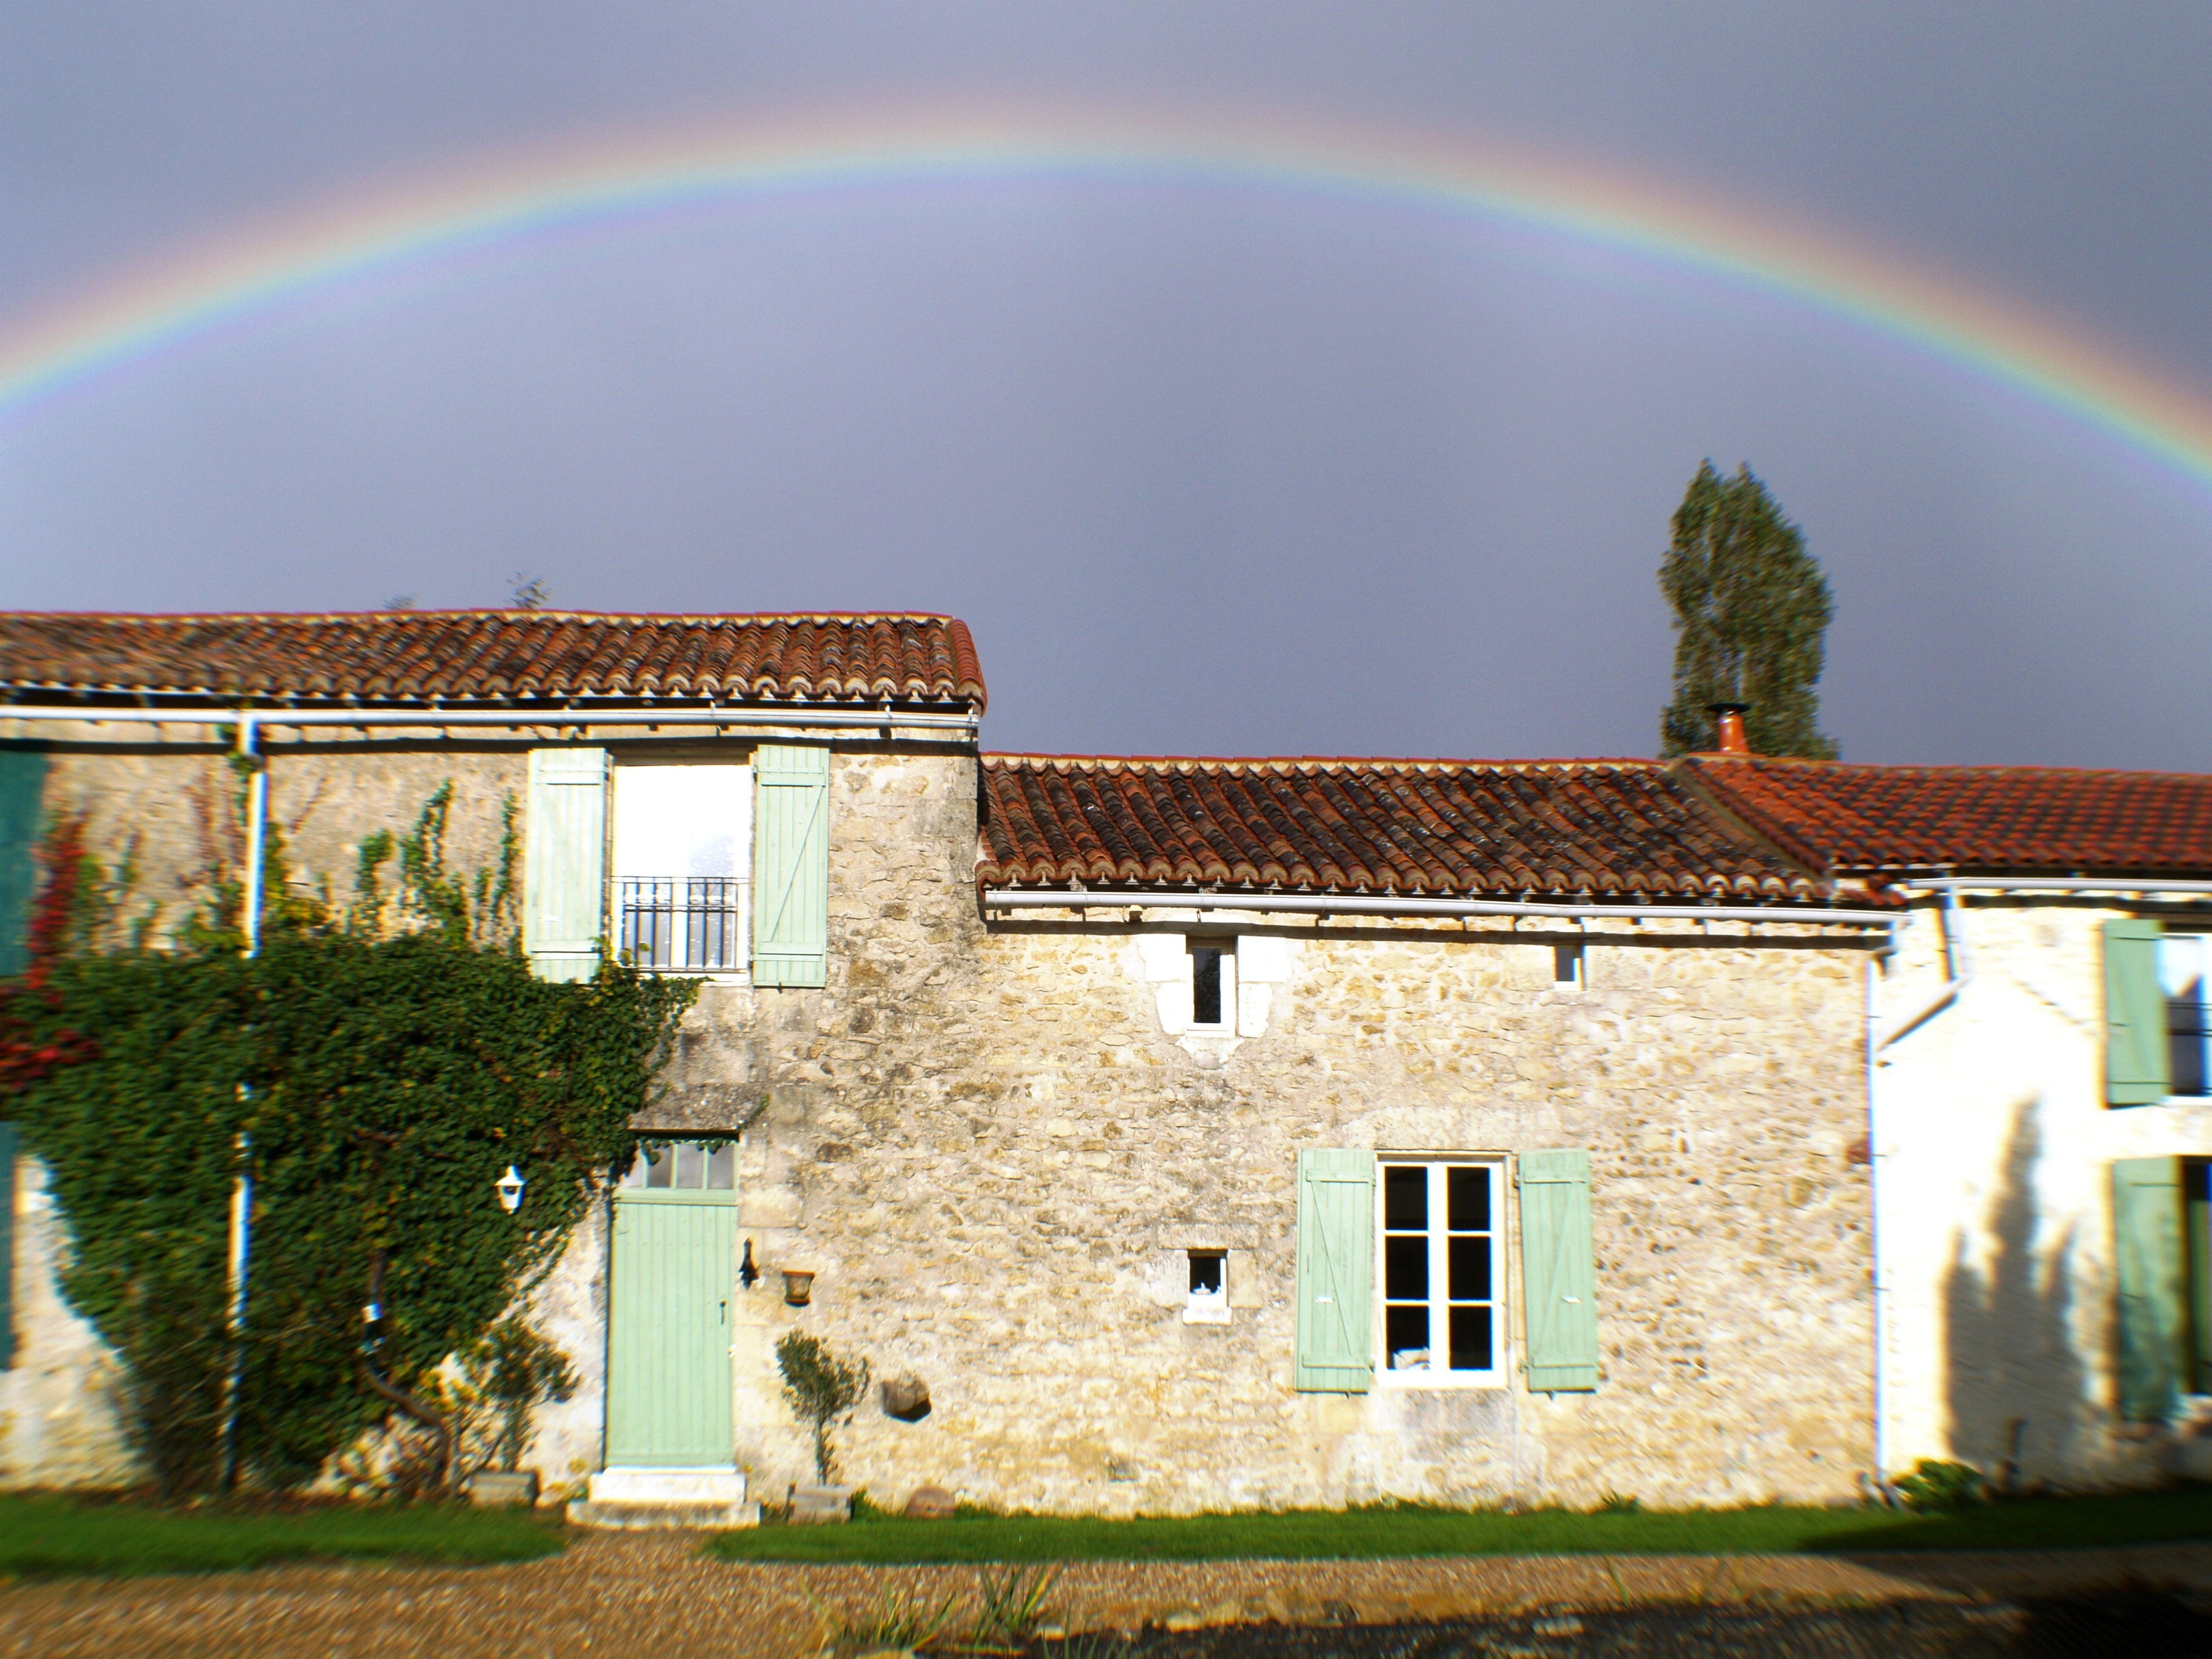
{"points": [[7, 1245], [2197, 1271], [565, 863], [1336, 1271], [23, 783], [1558, 1271], [791, 866], [2146, 1238], [2137, 1064]]}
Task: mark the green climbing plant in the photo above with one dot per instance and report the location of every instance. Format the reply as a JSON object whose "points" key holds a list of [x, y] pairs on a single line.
{"points": [[385, 1063]]}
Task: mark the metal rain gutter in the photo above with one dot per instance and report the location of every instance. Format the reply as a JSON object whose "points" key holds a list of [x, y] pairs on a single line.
{"points": [[1018, 898], [826, 719]]}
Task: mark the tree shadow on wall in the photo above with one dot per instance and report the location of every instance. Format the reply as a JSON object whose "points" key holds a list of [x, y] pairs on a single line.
{"points": [[2014, 1381]]}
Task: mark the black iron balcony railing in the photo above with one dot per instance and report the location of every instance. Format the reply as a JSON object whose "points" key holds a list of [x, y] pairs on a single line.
{"points": [[684, 923]]}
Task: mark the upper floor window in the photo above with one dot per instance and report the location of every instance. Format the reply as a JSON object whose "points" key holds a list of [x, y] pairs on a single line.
{"points": [[1212, 981], [2185, 974], [683, 860]]}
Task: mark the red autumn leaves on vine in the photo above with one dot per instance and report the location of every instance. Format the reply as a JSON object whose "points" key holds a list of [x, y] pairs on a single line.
{"points": [[25, 1058]]}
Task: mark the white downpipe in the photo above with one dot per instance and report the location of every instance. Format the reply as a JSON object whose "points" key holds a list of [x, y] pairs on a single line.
{"points": [[1014, 898], [825, 718], [1876, 1152], [241, 1191], [1958, 962]]}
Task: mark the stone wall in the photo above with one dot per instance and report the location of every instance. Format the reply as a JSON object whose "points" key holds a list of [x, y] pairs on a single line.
{"points": [[993, 1153], [1995, 1150], [992, 1144]]}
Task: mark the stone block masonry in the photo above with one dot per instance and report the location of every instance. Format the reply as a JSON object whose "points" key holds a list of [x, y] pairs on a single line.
{"points": [[994, 1154]]}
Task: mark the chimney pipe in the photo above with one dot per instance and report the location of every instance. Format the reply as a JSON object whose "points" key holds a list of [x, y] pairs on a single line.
{"points": [[1728, 728]]}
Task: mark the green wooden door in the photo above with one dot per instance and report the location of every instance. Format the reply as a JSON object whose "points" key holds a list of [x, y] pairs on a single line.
{"points": [[668, 1351]]}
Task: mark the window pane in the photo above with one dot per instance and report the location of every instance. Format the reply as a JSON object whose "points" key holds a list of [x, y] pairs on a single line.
{"points": [[639, 1167], [662, 1164], [1470, 1201], [1405, 1338], [722, 1168], [1470, 1340], [1470, 1269], [1405, 1266], [691, 1165], [1404, 1197], [1205, 1274], [1206, 988]]}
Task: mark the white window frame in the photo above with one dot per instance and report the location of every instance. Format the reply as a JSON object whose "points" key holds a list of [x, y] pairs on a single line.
{"points": [[1439, 1300], [1192, 944], [739, 972], [2173, 977]]}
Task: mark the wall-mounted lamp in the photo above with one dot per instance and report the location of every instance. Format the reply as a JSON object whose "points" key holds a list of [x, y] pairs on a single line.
{"points": [[798, 1285], [509, 1188]]}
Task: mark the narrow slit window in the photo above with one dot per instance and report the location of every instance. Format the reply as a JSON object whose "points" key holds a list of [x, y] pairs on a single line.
{"points": [[1567, 963], [1206, 985]]}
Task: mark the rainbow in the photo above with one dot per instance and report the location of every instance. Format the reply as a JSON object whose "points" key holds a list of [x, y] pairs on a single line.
{"points": [[603, 189]]}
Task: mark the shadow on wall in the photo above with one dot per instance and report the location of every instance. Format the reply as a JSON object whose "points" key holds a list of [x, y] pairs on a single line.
{"points": [[2014, 1381]]}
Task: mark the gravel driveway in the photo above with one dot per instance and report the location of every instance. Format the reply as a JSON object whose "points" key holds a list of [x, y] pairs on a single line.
{"points": [[654, 1596]]}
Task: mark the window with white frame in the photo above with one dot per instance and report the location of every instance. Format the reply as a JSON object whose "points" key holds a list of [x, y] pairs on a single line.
{"points": [[1440, 1264], [2185, 974], [682, 867], [1212, 983]]}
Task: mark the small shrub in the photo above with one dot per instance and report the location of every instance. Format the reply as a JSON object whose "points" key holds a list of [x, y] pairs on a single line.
{"points": [[822, 1388], [1936, 1487], [1614, 1502]]}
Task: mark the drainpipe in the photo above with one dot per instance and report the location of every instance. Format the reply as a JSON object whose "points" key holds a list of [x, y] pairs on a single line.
{"points": [[1875, 1153], [1956, 963], [241, 1192]]}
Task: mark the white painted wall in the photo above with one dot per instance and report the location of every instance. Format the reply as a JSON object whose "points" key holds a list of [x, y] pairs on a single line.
{"points": [[1993, 1152]]}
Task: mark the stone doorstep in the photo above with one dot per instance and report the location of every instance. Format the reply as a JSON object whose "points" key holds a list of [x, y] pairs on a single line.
{"points": [[662, 1517], [642, 1500]]}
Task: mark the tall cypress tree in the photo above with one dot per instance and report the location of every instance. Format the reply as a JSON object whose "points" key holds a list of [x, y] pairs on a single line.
{"points": [[1750, 607]]}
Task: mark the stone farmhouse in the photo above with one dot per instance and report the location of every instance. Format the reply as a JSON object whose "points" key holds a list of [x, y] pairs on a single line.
{"points": [[1177, 1134]]}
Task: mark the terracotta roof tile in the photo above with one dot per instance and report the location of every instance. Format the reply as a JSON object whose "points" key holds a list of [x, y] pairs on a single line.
{"points": [[1610, 827], [499, 656], [2044, 819]]}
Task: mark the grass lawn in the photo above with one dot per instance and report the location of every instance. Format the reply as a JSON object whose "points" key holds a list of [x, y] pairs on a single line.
{"points": [[51, 1536], [1315, 1534]]}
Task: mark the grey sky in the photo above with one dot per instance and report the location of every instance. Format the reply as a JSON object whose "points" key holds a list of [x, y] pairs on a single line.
{"points": [[1208, 471]]}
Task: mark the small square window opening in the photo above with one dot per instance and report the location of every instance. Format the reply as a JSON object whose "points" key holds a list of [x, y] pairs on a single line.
{"points": [[1567, 964], [1208, 1301]]}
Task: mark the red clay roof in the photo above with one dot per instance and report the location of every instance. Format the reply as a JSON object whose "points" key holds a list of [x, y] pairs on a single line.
{"points": [[1610, 827], [458, 656], [2043, 819]]}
